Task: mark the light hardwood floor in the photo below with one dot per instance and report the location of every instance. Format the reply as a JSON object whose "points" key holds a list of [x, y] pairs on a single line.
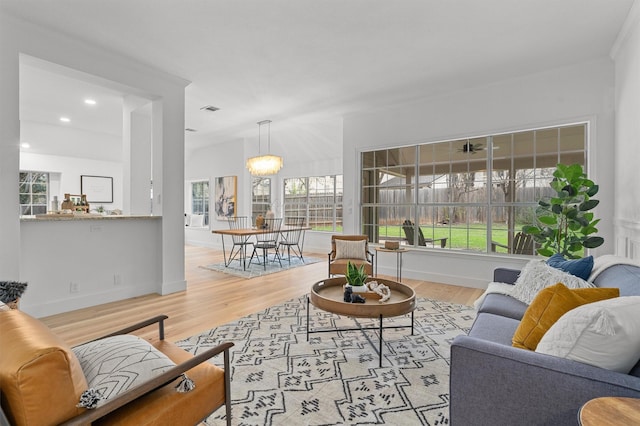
{"points": [[214, 298]]}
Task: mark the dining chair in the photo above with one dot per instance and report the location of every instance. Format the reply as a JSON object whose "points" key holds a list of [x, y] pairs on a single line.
{"points": [[240, 242], [268, 241], [293, 239]]}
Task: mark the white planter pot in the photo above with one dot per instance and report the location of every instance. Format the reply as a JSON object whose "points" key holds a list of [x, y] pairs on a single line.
{"points": [[358, 288]]}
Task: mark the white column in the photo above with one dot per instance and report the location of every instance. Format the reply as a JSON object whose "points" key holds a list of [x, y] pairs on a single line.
{"points": [[9, 157], [136, 153], [168, 185]]}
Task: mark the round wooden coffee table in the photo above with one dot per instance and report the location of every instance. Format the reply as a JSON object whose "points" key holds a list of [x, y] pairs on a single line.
{"points": [[328, 295]]}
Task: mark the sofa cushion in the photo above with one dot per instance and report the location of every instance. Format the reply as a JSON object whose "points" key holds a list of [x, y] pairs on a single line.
{"points": [[40, 377], [578, 267], [549, 305], [603, 334], [537, 275], [351, 249], [494, 328], [625, 277], [114, 365], [501, 304]]}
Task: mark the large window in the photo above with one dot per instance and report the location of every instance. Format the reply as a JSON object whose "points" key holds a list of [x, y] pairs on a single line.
{"points": [[471, 194], [318, 199], [34, 192], [200, 200], [260, 196]]}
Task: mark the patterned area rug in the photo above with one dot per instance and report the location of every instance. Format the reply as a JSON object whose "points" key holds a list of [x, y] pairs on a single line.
{"points": [[334, 378], [257, 270]]}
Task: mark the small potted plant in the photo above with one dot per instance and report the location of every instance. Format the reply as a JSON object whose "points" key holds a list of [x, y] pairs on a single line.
{"points": [[356, 277]]}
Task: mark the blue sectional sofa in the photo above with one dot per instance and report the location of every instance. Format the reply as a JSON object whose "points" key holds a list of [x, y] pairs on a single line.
{"points": [[494, 383]]}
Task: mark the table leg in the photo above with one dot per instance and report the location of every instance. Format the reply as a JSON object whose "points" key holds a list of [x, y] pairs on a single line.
{"points": [[307, 318], [224, 252], [380, 352], [412, 323]]}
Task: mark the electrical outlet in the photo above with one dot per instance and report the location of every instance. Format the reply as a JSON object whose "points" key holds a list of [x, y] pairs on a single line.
{"points": [[74, 287], [117, 280]]}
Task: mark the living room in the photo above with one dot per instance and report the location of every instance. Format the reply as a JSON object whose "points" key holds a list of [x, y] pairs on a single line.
{"points": [[599, 84]]}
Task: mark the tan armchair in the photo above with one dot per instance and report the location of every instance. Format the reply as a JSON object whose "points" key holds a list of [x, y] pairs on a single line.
{"points": [[349, 248], [41, 380]]}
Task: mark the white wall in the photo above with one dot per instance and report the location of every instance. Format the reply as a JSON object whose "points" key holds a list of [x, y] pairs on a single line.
{"points": [[626, 53], [70, 169], [584, 91], [167, 111], [126, 267]]}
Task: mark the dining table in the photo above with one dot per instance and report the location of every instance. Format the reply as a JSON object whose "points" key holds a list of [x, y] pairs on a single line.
{"points": [[246, 233]]}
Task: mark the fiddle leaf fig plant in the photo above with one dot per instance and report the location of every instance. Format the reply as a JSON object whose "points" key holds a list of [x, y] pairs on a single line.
{"points": [[564, 222]]}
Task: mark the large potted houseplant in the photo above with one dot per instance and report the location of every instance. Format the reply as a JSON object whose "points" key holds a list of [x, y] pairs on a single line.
{"points": [[564, 223]]}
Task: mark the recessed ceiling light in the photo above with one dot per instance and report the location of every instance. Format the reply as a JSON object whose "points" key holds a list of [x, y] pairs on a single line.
{"points": [[89, 101], [65, 119], [25, 145], [210, 108]]}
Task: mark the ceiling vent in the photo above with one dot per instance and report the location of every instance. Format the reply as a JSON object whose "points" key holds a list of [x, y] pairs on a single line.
{"points": [[209, 108], [189, 129]]}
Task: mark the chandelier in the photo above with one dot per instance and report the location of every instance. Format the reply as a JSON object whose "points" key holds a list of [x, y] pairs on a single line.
{"points": [[264, 165]]}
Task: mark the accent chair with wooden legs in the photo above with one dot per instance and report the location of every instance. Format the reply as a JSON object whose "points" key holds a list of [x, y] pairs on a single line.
{"points": [[119, 379], [349, 248]]}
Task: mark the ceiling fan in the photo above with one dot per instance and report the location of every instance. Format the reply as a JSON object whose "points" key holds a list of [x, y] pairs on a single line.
{"points": [[471, 148]]}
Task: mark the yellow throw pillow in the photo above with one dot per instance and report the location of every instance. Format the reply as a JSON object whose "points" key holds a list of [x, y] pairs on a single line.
{"points": [[547, 308]]}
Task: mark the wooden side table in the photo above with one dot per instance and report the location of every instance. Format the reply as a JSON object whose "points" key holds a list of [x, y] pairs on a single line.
{"points": [[610, 410], [398, 253]]}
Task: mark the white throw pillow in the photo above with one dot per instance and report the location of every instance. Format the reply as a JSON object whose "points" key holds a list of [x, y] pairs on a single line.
{"points": [[604, 334], [346, 249], [196, 220], [537, 275], [116, 364]]}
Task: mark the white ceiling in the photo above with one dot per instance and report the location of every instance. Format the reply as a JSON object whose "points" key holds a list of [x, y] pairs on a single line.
{"points": [[302, 63]]}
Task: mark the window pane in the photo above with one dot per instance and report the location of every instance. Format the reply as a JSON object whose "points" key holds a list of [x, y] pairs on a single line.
{"points": [[33, 192]]}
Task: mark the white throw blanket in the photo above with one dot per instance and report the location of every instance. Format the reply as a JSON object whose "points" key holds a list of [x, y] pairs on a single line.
{"points": [[494, 287], [601, 263]]}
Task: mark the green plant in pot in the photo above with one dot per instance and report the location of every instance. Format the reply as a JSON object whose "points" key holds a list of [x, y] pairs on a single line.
{"points": [[564, 222], [356, 276]]}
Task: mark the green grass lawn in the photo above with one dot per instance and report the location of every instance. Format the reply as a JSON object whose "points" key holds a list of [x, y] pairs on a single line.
{"points": [[460, 237]]}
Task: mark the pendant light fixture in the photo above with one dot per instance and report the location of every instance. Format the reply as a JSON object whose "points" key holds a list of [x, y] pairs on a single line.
{"points": [[264, 165]]}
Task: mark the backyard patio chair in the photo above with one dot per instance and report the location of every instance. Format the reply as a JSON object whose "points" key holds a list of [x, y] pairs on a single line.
{"points": [[522, 244], [409, 232]]}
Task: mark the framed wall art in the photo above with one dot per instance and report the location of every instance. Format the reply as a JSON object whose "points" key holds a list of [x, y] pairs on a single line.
{"points": [[98, 189], [225, 197]]}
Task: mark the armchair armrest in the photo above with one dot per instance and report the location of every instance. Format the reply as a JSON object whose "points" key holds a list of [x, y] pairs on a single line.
{"points": [[142, 324], [555, 387], [505, 275]]}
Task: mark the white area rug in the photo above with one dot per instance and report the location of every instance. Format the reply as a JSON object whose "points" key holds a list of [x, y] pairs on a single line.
{"points": [[279, 378]]}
